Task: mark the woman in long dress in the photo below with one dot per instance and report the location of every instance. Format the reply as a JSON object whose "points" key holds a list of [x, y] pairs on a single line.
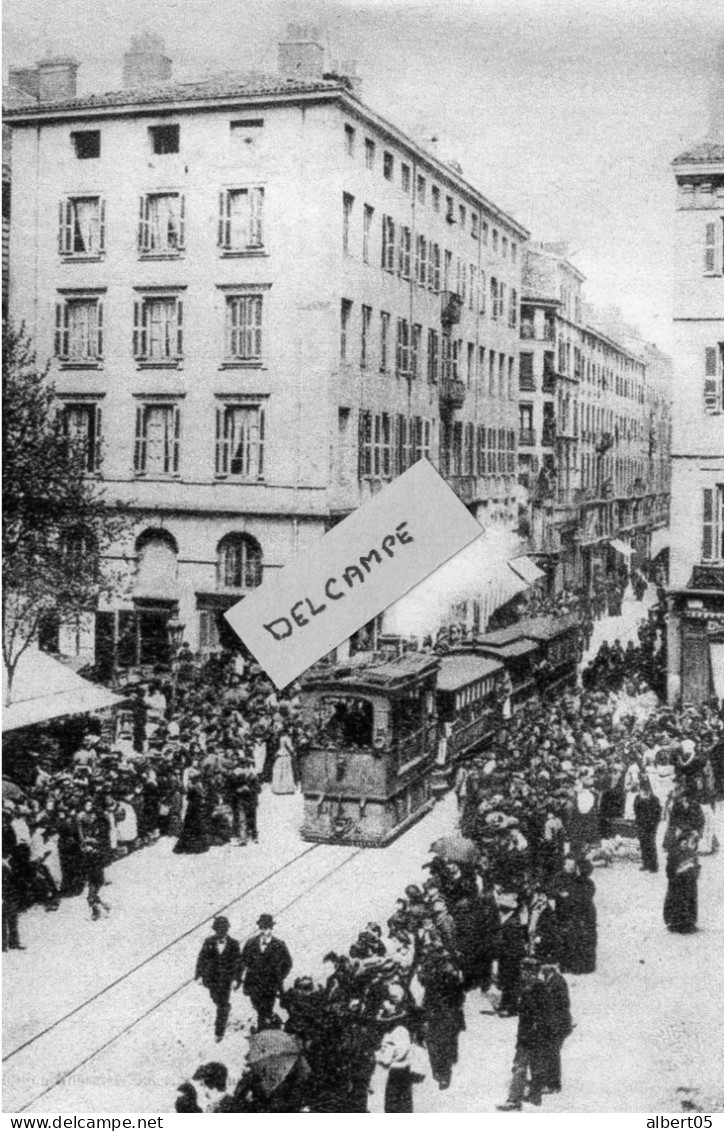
{"points": [[283, 772], [194, 835], [682, 870]]}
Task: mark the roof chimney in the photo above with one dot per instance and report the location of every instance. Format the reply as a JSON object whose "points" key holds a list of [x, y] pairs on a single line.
{"points": [[25, 79], [145, 63], [57, 78], [301, 55]]}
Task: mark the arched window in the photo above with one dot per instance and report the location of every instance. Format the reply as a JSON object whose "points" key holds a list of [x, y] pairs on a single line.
{"points": [[239, 562], [79, 547], [156, 573]]}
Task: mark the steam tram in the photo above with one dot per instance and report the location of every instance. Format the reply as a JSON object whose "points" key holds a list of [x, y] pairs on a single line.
{"points": [[389, 731]]}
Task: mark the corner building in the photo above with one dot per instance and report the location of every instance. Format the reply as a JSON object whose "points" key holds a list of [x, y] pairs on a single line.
{"points": [[262, 302], [696, 598]]}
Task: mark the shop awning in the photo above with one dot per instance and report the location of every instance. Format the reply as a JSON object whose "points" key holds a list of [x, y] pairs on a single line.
{"points": [[45, 689], [620, 547], [526, 569]]}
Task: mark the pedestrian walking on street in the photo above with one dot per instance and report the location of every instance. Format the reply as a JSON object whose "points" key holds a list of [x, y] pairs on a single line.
{"points": [[647, 810], [265, 963], [218, 968]]}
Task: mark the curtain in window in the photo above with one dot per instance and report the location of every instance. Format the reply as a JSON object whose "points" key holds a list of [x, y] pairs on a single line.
{"points": [[85, 226], [163, 223], [161, 315], [160, 439], [240, 563], [82, 331]]}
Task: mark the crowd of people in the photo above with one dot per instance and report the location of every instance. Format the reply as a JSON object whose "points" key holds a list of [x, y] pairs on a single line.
{"points": [[188, 763], [508, 908]]}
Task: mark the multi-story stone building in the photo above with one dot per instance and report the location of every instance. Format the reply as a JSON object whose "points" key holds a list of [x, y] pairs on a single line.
{"points": [[594, 427], [262, 301], [696, 601]]}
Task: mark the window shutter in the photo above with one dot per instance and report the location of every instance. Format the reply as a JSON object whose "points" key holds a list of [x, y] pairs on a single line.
{"points": [[59, 329], [101, 225], [222, 238], [712, 401], [182, 223], [176, 437], [96, 450], [138, 330], [707, 546], [139, 450], [261, 442], [256, 208], [62, 229], [256, 304], [179, 328], [99, 328], [360, 446], [710, 249], [383, 261], [143, 224], [220, 468]]}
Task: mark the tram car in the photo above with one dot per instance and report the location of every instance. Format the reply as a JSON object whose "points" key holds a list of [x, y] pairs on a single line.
{"points": [[540, 655], [368, 774], [390, 732]]}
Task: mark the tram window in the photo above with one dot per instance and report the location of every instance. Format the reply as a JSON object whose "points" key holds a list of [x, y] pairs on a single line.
{"points": [[345, 722], [406, 717]]}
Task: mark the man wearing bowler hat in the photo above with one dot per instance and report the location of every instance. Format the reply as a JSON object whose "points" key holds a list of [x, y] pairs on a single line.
{"points": [[218, 967], [265, 963]]}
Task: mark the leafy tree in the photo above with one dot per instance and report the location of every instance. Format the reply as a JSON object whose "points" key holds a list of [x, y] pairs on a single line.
{"points": [[57, 524]]}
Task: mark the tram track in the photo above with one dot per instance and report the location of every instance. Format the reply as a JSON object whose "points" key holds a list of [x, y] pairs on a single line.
{"points": [[69, 1032]]}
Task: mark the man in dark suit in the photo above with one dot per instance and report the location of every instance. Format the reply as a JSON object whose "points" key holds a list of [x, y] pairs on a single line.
{"points": [[218, 967], [265, 963]]}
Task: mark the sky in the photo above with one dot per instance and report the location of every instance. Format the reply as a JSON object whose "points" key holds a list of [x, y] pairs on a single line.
{"points": [[566, 113]]}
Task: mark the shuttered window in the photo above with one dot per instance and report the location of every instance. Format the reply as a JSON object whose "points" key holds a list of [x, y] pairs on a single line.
{"points": [[241, 219], [713, 524], [403, 346], [404, 253], [82, 428], [161, 224], [714, 379], [82, 226], [240, 441], [244, 327], [364, 445], [79, 331], [388, 243], [712, 262], [158, 429], [158, 329]]}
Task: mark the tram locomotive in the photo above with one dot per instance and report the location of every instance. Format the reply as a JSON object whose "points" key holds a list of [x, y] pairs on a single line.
{"points": [[389, 731]]}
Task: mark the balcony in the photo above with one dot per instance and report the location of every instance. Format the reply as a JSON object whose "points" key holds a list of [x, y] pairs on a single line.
{"points": [[452, 394], [451, 308], [526, 438], [526, 384], [527, 331], [548, 435], [549, 381]]}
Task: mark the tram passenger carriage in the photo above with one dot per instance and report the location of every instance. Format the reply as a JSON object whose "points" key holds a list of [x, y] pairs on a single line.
{"points": [[389, 732], [368, 775]]}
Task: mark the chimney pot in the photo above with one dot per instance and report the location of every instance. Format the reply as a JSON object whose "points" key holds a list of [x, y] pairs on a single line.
{"points": [[301, 56], [146, 63], [57, 78]]}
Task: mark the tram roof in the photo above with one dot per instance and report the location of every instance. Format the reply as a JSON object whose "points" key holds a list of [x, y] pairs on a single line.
{"points": [[535, 628], [376, 674], [458, 671]]}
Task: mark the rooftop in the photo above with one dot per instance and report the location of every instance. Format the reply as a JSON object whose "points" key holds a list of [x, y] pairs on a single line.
{"points": [[460, 669], [219, 87], [706, 153]]}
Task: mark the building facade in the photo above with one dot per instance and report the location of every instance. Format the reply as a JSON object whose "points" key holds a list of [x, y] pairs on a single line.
{"points": [[262, 302], [594, 429], [696, 600]]}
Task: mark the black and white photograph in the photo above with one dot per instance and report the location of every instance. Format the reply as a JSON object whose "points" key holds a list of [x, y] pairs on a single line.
{"points": [[264, 266]]}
